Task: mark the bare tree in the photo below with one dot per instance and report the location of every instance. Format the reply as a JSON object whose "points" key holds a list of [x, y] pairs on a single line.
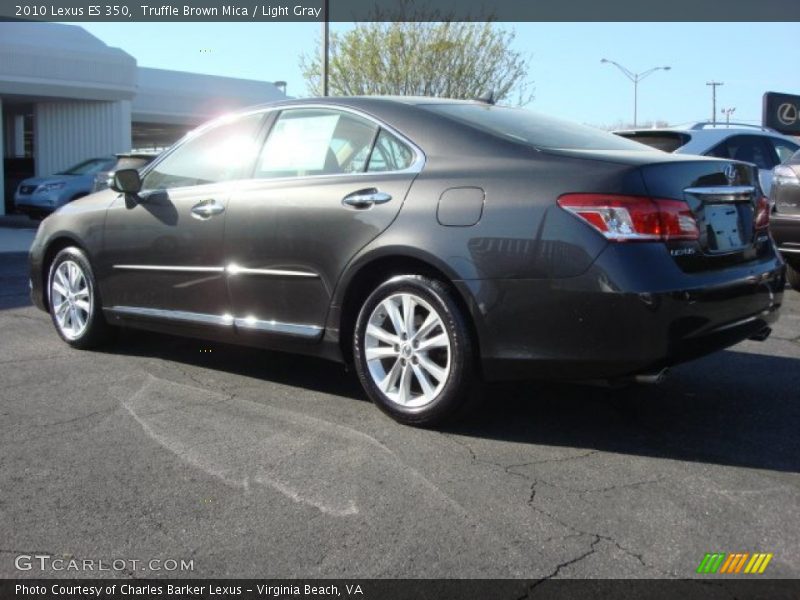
{"points": [[448, 59]]}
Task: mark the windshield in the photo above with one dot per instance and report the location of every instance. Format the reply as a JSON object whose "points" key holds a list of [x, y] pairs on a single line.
{"points": [[533, 128], [88, 167]]}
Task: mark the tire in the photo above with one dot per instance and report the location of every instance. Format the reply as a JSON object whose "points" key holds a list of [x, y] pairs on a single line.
{"points": [[74, 300], [420, 379], [793, 276]]}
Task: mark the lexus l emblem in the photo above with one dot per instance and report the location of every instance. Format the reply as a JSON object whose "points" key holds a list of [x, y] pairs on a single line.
{"points": [[730, 174], [787, 113]]}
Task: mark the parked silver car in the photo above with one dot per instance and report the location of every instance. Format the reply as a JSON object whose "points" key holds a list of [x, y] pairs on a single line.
{"points": [[760, 146]]}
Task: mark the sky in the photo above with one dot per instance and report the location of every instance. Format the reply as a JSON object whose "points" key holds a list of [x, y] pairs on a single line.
{"points": [[565, 68]]}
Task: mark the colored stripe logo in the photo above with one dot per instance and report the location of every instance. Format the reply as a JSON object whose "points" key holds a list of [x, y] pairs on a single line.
{"points": [[734, 563]]}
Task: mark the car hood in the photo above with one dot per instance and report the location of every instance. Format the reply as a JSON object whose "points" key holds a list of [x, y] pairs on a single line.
{"points": [[48, 179]]}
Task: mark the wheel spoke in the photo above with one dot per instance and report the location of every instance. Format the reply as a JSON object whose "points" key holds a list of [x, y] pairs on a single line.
{"points": [[381, 334], [408, 315], [82, 293], [57, 287], [431, 367], [74, 322], [71, 276], [391, 378], [394, 315], [381, 352], [438, 341], [424, 382], [404, 389], [62, 279], [83, 305], [61, 313], [79, 318], [431, 321]]}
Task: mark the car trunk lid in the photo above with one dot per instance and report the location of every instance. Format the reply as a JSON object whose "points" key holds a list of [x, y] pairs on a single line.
{"points": [[724, 198]]}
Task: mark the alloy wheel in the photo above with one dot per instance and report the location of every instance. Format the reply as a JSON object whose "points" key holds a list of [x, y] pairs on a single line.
{"points": [[407, 350], [71, 299]]}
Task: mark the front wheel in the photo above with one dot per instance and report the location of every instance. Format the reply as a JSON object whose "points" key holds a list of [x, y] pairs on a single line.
{"points": [[74, 301], [413, 352]]}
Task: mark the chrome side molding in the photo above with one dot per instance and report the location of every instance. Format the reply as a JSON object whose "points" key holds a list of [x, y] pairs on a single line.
{"points": [[172, 268], [274, 326], [231, 269], [249, 323]]}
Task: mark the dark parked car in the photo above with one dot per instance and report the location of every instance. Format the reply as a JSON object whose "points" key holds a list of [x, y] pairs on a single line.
{"points": [[785, 225], [39, 196], [428, 242]]}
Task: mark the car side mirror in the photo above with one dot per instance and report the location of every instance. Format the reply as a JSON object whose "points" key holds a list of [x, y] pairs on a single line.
{"points": [[126, 181]]}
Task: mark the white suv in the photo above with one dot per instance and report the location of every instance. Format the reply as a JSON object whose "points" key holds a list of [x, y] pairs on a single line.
{"points": [[761, 146]]}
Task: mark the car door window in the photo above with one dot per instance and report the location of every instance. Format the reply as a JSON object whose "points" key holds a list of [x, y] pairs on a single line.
{"points": [[311, 141], [747, 148], [389, 154], [784, 149], [223, 153]]}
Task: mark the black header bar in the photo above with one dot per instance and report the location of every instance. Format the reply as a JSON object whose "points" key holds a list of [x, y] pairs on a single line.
{"points": [[398, 10]]}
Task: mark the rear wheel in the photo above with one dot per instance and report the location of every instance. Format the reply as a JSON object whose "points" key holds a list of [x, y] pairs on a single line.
{"points": [[74, 302], [412, 350], [793, 276]]}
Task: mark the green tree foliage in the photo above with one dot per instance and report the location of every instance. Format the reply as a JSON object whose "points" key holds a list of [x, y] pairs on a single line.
{"points": [[447, 59]]}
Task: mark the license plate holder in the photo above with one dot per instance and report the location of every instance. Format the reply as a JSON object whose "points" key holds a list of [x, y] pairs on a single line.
{"points": [[724, 228]]}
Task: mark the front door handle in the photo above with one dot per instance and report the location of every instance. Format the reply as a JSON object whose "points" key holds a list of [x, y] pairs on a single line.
{"points": [[206, 209], [365, 198]]}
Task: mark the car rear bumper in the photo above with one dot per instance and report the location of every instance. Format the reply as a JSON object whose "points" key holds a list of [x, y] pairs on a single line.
{"points": [[626, 315], [786, 233]]}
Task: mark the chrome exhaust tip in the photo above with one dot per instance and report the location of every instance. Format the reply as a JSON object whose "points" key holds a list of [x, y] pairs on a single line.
{"points": [[651, 378]]}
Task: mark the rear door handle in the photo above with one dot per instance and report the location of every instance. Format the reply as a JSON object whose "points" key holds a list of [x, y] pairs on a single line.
{"points": [[207, 208], [365, 198]]}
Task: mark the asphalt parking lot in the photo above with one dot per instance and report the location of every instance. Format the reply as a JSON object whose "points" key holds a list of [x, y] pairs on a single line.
{"points": [[251, 463]]}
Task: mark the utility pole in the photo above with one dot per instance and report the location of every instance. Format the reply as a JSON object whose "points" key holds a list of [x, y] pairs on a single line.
{"points": [[325, 44], [714, 85], [727, 112]]}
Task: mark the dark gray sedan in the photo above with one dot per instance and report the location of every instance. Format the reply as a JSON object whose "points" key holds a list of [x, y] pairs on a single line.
{"points": [[430, 243]]}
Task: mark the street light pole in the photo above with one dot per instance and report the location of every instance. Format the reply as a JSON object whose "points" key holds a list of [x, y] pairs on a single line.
{"points": [[714, 85], [727, 112], [325, 44], [635, 78]]}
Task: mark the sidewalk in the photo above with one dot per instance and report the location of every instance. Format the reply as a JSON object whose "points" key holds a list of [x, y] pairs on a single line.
{"points": [[16, 233]]}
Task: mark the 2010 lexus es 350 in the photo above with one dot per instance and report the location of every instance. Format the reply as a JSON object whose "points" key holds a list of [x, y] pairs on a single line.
{"points": [[429, 242]]}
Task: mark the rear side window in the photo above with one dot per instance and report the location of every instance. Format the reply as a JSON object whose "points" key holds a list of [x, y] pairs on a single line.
{"points": [[784, 149], [747, 148], [389, 154], [305, 142], [532, 128], [668, 141]]}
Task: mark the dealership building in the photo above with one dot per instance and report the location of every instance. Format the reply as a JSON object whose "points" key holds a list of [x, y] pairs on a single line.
{"points": [[66, 96]]}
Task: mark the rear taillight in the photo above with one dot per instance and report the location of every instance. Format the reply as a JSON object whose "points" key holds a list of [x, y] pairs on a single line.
{"points": [[762, 213], [633, 218]]}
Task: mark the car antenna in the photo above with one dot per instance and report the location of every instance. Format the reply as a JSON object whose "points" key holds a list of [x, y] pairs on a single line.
{"points": [[487, 97]]}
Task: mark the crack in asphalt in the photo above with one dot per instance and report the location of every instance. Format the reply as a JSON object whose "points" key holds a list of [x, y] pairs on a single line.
{"points": [[576, 532]]}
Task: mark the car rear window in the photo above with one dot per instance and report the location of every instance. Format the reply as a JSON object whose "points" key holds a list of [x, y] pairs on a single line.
{"points": [[532, 128], [668, 141]]}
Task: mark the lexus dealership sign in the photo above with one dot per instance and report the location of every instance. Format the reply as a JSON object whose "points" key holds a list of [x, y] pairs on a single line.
{"points": [[782, 113]]}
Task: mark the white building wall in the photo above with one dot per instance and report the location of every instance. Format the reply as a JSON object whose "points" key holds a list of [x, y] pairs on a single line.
{"points": [[66, 133]]}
